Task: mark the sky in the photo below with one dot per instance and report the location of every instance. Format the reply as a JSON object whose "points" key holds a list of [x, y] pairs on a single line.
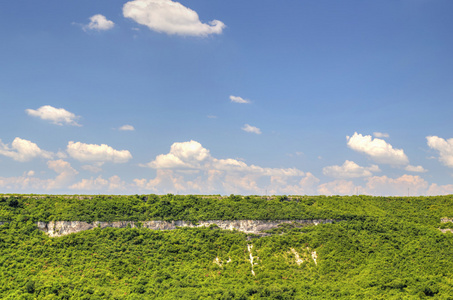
{"points": [[226, 97]]}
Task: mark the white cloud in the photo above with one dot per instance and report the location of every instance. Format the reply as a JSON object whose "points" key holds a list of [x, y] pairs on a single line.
{"points": [[401, 186], [169, 17], [27, 182], [384, 186], [381, 134], [127, 128], [23, 150], [168, 181], [192, 155], [99, 22], [61, 154], [99, 183], [237, 99], [95, 168], [211, 175], [239, 166], [337, 187], [435, 189], [349, 170], [65, 174], [188, 155], [305, 186], [97, 153], [418, 169], [377, 149], [58, 116], [22, 183], [445, 148], [251, 129]]}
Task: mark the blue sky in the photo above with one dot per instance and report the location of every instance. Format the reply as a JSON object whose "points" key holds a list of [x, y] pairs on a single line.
{"points": [[221, 97]]}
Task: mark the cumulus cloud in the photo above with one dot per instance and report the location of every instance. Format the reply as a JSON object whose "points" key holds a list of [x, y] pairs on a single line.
{"points": [[23, 150], [188, 155], [435, 189], [251, 129], [58, 116], [99, 183], [381, 134], [170, 17], [99, 22], [127, 128], [305, 186], [231, 164], [215, 181], [418, 169], [349, 170], [401, 186], [377, 149], [445, 148], [23, 183], [94, 168], [192, 155], [65, 172], [237, 99], [212, 175], [385, 186], [98, 153], [337, 187], [168, 181]]}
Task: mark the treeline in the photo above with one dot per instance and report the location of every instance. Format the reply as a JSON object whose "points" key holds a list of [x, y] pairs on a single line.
{"points": [[426, 210]]}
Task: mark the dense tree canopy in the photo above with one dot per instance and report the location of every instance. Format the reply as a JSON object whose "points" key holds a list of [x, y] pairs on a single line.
{"points": [[384, 248], [426, 210]]}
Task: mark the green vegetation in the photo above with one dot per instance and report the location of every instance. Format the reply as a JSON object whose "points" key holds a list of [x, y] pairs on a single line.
{"points": [[424, 210], [385, 248]]}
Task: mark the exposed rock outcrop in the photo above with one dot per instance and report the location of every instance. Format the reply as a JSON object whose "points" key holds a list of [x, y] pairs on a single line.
{"points": [[60, 228]]}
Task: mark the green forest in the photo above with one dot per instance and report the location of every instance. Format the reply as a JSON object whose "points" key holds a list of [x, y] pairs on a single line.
{"points": [[378, 248]]}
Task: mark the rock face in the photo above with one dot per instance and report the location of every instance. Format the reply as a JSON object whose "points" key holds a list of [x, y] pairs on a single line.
{"points": [[60, 228]]}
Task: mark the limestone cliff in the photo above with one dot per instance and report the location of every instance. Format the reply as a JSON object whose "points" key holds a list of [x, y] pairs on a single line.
{"points": [[60, 228]]}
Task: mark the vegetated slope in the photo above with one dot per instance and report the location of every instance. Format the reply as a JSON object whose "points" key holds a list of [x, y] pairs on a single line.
{"points": [[387, 248]]}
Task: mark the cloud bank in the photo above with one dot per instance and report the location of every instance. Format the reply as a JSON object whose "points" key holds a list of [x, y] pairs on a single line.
{"points": [[190, 168], [65, 174]]}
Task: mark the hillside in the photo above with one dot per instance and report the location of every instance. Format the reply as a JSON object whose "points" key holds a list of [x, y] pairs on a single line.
{"points": [[379, 248]]}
